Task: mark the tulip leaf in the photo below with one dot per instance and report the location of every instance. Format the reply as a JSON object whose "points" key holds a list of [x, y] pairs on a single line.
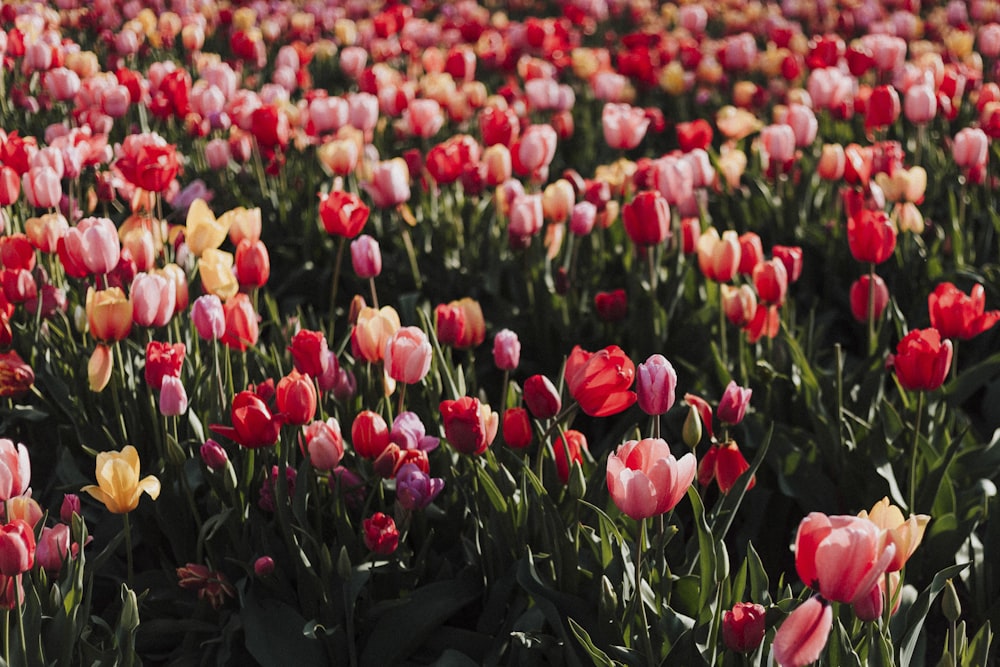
{"points": [[274, 634], [492, 491], [978, 650], [930, 485], [917, 612], [599, 657], [706, 550]]}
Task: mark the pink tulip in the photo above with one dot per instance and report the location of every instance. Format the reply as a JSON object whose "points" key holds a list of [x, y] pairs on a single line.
{"points": [[802, 637], [15, 469], [535, 149], [506, 350], [209, 317], [94, 243], [656, 382], [363, 111], [42, 187], [408, 355], [366, 257], [970, 148], [173, 397], [644, 479], [324, 443], [423, 118], [390, 184], [674, 178], [153, 299], [624, 125], [733, 404], [53, 548], [803, 122], [920, 104]]}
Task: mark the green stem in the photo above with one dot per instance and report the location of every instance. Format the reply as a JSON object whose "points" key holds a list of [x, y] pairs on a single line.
{"points": [[128, 549], [342, 241], [411, 254], [871, 308], [913, 454], [644, 632], [20, 617]]}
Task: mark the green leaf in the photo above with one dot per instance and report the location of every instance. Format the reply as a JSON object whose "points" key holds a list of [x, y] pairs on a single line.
{"points": [[706, 550], [275, 634], [582, 636], [918, 611], [406, 626], [492, 491], [979, 648]]}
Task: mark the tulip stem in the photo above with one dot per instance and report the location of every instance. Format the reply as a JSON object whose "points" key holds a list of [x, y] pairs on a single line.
{"points": [[913, 454], [371, 284], [871, 308], [6, 635], [336, 280], [128, 549], [411, 254], [637, 594], [20, 616]]}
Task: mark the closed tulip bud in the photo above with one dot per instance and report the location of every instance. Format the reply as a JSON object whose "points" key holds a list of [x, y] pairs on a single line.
{"points": [[109, 314], [751, 253], [173, 397], [408, 355], [506, 350], [53, 548], [733, 404], [920, 104], [557, 200], [17, 548], [582, 218], [253, 264], [770, 279], [832, 162], [517, 428], [24, 508], [541, 397], [970, 148], [871, 236], [922, 360], [719, 257], [366, 257], [242, 328], [656, 382], [99, 368], [263, 566], [209, 317], [369, 434], [739, 304], [324, 443], [568, 453], [859, 295], [213, 455], [297, 398], [70, 506]]}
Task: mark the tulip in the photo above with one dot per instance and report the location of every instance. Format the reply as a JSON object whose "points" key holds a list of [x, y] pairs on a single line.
{"points": [[906, 534], [415, 489], [99, 368], [535, 149], [568, 449], [94, 244], [369, 434], [644, 479], [213, 455], [366, 257], [656, 382], [959, 315], [582, 218], [253, 264], [743, 627], [883, 107], [739, 304], [624, 126], [266, 501], [389, 184], [41, 187], [526, 218], [733, 404], [153, 300], [770, 279], [163, 360], [751, 253], [541, 397], [791, 257], [871, 236], [859, 298], [380, 534], [173, 397], [600, 381], [970, 148], [409, 433], [506, 350], [517, 428], [17, 548], [10, 186], [470, 426], [211, 586], [109, 314], [253, 424], [920, 104], [16, 376], [922, 360], [118, 483], [53, 548], [647, 219], [342, 213], [203, 231], [263, 566], [241, 323], [832, 162], [296, 398], [801, 638], [408, 355], [15, 469], [611, 306], [324, 444], [209, 317], [724, 463], [719, 257], [372, 331], [765, 322], [557, 200], [215, 268], [842, 557]]}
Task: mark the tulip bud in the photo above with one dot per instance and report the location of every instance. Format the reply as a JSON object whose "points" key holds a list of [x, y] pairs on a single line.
{"points": [[951, 606], [541, 397], [506, 350], [733, 405], [70, 506], [517, 428], [99, 368], [743, 627], [692, 429], [263, 566], [656, 382], [213, 455]]}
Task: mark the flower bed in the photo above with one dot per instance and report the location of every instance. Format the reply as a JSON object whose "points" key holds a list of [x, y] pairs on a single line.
{"points": [[456, 334]]}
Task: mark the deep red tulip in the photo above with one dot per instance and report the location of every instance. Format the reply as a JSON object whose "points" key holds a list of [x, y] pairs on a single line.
{"points": [[883, 107], [162, 360], [959, 315], [309, 352], [611, 306], [859, 298], [541, 397], [568, 449], [297, 398], [369, 434], [922, 360], [600, 381], [470, 426], [695, 134], [517, 428], [380, 534], [770, 278], [743, 627]]}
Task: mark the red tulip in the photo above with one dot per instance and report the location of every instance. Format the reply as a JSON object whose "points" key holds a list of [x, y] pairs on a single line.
{"points": [[724, 463], [380, 534], [802, 636], [922, 360], [343, 213], [568, 449], [517, 428], [611, 306], [17, 548], [883, 107], [859, 298], [470, 426], [148, 161], [743, 627], [695, 134], [253, 424], [369, 434], [871, 236], [770, 278], [309, 352], [241, 323], [297, 398], [600, 381], [253, 264], [751, 253], [958, 315], [791, 257], [541, 397], [647, 219], [162, 360]]}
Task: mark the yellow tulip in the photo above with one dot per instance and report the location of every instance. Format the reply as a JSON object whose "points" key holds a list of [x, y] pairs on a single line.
{"points": [[905, 533], [119, 486], [203, 231], [216, 270]]}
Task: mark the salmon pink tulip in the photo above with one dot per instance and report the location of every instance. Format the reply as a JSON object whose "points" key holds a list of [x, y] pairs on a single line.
{"points": [[644, 479], [803, 635], [600, 381]]}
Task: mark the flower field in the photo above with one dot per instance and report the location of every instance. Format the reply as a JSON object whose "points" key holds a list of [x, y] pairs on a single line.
{"points": [[566, 333]]}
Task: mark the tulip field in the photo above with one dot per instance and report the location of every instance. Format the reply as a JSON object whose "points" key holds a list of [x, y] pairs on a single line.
{"points": [[607, 332]]}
